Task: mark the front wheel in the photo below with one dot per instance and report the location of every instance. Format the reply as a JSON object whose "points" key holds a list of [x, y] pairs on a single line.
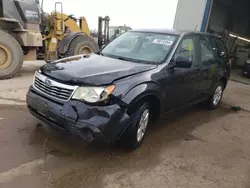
{"points": [[134, 135], [215, 99]]}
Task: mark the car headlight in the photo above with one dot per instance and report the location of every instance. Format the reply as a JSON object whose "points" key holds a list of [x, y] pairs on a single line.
{"points": [[248, 61], [93, 94]]}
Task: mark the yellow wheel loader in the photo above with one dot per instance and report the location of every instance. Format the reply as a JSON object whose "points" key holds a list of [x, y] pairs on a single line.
{"points": [[64, 35], [25, 32]]}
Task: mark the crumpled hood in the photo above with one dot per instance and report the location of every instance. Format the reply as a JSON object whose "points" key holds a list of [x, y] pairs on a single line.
{"points": [[92, 70]]}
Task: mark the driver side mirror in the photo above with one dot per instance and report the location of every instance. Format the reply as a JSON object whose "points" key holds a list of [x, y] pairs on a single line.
{"points": [[183, 62]]}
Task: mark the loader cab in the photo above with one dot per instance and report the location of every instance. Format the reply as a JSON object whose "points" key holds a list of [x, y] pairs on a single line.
{"points": [[23, 14]]}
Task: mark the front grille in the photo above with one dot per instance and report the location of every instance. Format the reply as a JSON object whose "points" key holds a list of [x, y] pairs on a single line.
{"points": [[53, 89]]}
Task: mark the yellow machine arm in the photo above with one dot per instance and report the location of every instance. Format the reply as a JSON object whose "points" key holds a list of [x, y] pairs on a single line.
{"points": [[59, 23], [58, 26]]}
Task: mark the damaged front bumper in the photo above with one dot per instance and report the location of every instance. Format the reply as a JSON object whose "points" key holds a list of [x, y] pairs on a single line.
{"points": [[91, 123]]}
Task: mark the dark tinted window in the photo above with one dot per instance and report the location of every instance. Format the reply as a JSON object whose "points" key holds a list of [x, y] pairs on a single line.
{"points": [[187, 48], [207, 50]]}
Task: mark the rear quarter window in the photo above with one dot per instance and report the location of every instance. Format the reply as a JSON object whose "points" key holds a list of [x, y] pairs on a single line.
{"points": [[221, 50], [220, 46]]}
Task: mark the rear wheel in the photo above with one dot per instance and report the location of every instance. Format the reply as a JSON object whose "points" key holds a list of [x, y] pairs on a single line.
{"points": [[11, 56], [81, 45], [215, 99]]}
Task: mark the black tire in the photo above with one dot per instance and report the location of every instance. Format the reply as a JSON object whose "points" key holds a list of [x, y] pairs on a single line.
{"points": [[78, 42], [12, 50], [129, 138], [209, 103]]}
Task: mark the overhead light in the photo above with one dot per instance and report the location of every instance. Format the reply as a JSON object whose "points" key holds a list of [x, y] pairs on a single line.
{"points": [[241, 38]]}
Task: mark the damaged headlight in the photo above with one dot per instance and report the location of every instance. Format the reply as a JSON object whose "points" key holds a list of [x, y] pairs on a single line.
{"points": [[93, 94]]}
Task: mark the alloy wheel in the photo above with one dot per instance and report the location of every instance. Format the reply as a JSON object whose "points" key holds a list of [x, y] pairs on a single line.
{"points": [[143, 123], [217, 95]]}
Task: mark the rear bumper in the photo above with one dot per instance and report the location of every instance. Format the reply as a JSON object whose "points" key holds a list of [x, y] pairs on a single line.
{"points": [[91, 123]]}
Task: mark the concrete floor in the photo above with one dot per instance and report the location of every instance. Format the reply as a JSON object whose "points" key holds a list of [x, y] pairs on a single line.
{"points": [[237, 77], [191, 148]]}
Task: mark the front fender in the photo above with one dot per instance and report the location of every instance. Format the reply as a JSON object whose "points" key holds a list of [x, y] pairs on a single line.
{"points": [[142, 90]]}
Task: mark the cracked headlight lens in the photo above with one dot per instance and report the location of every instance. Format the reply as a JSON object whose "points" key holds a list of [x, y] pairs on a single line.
{"points": [[93, 94]]}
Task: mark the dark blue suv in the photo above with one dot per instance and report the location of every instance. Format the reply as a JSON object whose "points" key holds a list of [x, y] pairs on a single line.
{"points": [[114, 94]]}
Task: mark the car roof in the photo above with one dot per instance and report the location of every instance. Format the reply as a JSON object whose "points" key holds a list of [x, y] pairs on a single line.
{"points": [[173, 32], [163, 31]]}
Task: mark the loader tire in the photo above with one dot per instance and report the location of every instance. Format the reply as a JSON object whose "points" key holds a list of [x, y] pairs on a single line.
{"points": [[81, 45], [11, 56]]}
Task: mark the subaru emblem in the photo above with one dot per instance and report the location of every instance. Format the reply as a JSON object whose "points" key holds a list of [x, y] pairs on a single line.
{"points": [[48, 82]]}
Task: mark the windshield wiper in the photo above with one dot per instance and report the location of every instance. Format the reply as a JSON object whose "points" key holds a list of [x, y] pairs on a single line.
{"points": [[99, 53], [129, 59], [122, 58]]}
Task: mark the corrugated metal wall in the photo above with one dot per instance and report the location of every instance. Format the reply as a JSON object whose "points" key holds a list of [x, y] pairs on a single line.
{"points": [[190, 14]]}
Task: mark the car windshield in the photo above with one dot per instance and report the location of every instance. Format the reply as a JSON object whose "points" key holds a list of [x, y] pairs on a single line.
{"points": [[140, 47]]}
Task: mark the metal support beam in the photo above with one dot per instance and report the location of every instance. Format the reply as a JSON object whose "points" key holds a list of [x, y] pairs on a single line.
{"points": [[206, 15]]}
